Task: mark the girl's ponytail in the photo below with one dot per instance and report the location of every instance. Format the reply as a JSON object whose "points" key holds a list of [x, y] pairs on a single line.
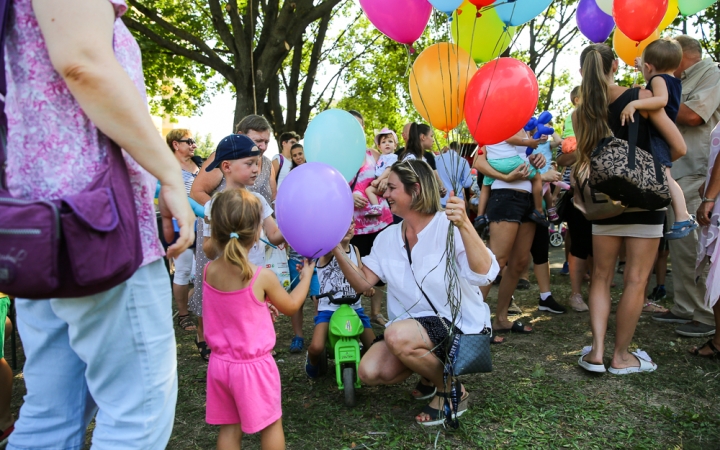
{"points": [[236, 219], [591, 115], [413, 146]]}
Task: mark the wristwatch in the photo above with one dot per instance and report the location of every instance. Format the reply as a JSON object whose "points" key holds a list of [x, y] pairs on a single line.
{"points": [[708, 200]]}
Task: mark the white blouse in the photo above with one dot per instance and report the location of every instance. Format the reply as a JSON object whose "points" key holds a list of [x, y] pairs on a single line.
{"points": [[388, 260]]}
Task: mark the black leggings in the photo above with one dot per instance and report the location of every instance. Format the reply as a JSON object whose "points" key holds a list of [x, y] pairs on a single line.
{"points": [[580, 234], [540, 246]]}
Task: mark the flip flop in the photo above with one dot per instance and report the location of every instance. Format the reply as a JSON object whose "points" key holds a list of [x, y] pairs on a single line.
{"points": [[517, 327], [646, 365], [652, 307], [590, 367]]}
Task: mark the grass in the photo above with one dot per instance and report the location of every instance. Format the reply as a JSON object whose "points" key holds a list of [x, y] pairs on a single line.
{"points": [[537, 396]]}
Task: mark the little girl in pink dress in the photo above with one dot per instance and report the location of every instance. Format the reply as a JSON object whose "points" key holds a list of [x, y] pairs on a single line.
{"points": [[243, 381]]}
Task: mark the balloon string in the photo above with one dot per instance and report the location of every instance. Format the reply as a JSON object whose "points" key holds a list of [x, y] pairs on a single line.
{"points": [[407, 68]]}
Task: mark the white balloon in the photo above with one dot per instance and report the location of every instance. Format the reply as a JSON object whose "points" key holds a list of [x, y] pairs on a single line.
{"points": [[605, 5]]}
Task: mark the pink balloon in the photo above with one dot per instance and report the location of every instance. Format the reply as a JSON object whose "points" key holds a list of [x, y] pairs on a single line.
{"points": [[401, 20]]}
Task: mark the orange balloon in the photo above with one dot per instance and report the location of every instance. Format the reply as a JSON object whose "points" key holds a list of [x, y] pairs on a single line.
{"points": [[438, 81], [627, 49]]}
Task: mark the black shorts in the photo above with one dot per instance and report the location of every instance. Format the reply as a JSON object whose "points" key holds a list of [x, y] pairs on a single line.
{"points": [[540, 246], [580, 230], [364, 243], [508, 205], [436, 330]]}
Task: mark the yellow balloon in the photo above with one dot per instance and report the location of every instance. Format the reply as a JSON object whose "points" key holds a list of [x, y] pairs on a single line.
{"points": [[627, 49], [485, 37], [438, 81], [672, 12]]}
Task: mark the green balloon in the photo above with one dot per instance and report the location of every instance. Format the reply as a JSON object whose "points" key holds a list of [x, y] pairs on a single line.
{"points": [[690, 7], [485, 37]]}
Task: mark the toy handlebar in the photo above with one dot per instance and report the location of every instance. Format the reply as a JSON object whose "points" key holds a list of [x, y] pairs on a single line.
{"points": [[340, 301]]}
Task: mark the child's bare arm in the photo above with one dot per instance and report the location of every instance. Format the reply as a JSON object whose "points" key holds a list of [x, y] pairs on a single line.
{"points": [[272, 231], [286, 303], [383, 176], [658, 101]]}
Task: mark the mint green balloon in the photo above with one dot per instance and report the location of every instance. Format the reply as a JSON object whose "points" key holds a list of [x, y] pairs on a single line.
{"points": [[335, 137], [690, 7]]}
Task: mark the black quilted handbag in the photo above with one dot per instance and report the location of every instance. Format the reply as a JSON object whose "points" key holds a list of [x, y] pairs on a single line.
{"points": [[635, 178]]}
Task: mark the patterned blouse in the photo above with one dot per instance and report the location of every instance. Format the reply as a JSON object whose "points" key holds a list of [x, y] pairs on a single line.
{"points": [[262, 182], [53, 149]]}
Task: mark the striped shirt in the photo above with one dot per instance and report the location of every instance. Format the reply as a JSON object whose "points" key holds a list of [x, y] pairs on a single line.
{"points": [[188, 179]]}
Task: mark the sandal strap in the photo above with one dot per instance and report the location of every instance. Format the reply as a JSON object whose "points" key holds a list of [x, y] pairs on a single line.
{"points": [[710, 344]]}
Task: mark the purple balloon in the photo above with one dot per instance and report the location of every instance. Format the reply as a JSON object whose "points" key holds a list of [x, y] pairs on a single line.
{"points": [[593, 22], [401, 20], [314, 209]]}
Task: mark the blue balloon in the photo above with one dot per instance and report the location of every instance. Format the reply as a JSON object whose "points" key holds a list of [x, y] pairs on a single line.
{"points": [[335, 137], [446, 6], [517, 12]]}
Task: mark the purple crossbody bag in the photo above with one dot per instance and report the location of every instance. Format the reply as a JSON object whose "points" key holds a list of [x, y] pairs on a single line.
{"points": [[79, 245]]}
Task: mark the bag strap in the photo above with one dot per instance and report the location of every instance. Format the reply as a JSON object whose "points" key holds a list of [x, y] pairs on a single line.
{"points": [[633, 130], [354, 180], [407, 248]]}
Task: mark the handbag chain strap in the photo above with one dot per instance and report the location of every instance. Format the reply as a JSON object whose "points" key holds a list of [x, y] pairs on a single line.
{"points": [[407, 248]]}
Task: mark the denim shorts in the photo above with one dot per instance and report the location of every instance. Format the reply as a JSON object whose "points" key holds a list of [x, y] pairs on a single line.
{"points": [[508, 205], [295, 278], [324, 317]]}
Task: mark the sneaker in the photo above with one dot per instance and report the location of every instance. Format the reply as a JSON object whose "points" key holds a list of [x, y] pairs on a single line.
{"points": [[550, 305], [669, 317], [565, 269], [514, 309], [552, 215], [578, 304], [695, 329], [297, 344], [310, 370], [523, 285], [658, 293]]}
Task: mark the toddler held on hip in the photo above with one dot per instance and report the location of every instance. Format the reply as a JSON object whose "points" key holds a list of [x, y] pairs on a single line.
{"points": [[658, 63], [386, 141], [243, 381]]}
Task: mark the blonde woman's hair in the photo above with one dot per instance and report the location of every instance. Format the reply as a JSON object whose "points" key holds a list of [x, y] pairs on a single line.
{"points": [[596, 62], [235, 218], [176, 135], [425, 200]]}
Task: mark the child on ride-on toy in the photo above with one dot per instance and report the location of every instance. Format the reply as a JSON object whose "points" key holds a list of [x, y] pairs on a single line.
{"points": [[332, 280]]}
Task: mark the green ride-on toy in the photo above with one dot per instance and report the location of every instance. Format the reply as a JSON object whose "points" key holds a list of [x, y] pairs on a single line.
{"points": [[343, 343]]}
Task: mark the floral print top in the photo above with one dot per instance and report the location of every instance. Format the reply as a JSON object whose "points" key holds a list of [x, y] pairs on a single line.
{"points": [[53, 149]]}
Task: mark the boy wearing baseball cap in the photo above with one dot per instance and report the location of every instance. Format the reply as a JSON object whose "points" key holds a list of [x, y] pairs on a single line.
{"points": [[237, 157]]}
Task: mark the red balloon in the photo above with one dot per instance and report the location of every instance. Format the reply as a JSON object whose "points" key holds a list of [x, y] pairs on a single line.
{"points": [[481, 3], [638, 19], [500, 99]]}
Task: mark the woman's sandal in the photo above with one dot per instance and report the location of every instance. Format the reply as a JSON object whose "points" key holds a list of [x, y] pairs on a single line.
{"points": [[715, 352], [423, 391], [186, 323], [679, 230], [204, 349], [434, 413]]}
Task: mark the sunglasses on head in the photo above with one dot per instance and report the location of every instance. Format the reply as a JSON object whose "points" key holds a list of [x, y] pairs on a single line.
{"points": [[188, 141]]}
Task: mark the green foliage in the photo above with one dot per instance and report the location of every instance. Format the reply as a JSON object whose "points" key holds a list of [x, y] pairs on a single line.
{"points": [[205, 144]]}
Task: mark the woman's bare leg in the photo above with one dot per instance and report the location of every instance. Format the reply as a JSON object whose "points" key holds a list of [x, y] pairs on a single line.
{"points": [[605, 253], [640, 257], [516, 264]]}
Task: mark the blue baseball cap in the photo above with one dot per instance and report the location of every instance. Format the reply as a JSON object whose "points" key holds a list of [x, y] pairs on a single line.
{"points": [[230, 148]]}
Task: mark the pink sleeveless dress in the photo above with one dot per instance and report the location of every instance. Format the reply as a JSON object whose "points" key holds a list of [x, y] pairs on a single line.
{"points": [[243, 381]]}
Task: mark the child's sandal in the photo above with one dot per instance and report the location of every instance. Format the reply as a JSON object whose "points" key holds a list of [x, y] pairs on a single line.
{"points": [[681, 229]]}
